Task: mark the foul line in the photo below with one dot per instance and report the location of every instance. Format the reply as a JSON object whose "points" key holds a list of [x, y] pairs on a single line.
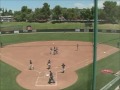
{"points": [[88, 60], [14, 61], [37, 80]]}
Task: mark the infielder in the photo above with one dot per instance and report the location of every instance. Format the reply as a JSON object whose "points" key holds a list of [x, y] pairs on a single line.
{"points": [[63, 68], [49, 64], [77, 46], [51, 50]]}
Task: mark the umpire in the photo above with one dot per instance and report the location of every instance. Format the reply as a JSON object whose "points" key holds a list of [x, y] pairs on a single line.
{"points": [[51, 78], [49, 64]]}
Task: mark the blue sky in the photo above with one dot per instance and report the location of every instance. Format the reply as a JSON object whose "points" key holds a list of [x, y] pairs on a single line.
{"points": [[17, 4]]}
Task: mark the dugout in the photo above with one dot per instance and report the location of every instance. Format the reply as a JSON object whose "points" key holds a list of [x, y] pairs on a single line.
{"points": [[29, 28]]}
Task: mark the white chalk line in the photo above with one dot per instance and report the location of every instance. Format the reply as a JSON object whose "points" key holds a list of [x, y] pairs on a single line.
{"points": [[14, 61], [89, 61], [23, 66], [37, 80], [107, 53]]}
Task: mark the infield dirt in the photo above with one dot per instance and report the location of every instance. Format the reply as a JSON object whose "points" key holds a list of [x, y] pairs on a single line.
{"points": [[18, 55]]}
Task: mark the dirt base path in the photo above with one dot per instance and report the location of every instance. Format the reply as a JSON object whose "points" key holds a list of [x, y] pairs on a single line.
{"points": [[74, 56]]}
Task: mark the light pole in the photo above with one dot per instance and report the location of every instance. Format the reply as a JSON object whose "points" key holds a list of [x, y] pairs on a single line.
{"points": [[95, 43]]}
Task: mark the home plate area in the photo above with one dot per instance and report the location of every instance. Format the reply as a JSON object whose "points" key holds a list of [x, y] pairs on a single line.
{"points": [[43, 79]]}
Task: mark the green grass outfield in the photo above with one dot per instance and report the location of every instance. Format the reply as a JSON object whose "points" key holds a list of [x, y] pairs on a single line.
{"points": [[59, 25], [85, 74], [8, 76]]}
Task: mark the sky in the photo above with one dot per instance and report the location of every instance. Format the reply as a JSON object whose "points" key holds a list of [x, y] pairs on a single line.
{"points": [[16, 5]]}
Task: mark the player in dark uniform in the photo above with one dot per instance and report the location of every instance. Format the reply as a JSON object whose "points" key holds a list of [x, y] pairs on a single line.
{"points": [[54, 50], [77, 46], [63, 68], [51, 78], [49, 64], [51, 50], [31, 67]]}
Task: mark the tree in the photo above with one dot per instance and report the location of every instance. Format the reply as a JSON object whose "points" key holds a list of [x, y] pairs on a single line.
{"points": [[0, 9], [24, 12], [110, 10], [86, 14], [57, 11], [17, 16], [30, 17], [117, 14], [65, 13], [92, 12], [101, 14], [3, 12], [37, 14], [45, 11], [71, 14], [110, 13], [6, 12], [10, 12]]}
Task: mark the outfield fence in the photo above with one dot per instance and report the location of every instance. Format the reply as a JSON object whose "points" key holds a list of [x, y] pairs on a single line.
{"points": [[20, 30]]}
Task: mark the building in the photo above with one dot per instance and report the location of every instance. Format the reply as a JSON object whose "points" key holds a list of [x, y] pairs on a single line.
{"points": [[6, 18]]}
